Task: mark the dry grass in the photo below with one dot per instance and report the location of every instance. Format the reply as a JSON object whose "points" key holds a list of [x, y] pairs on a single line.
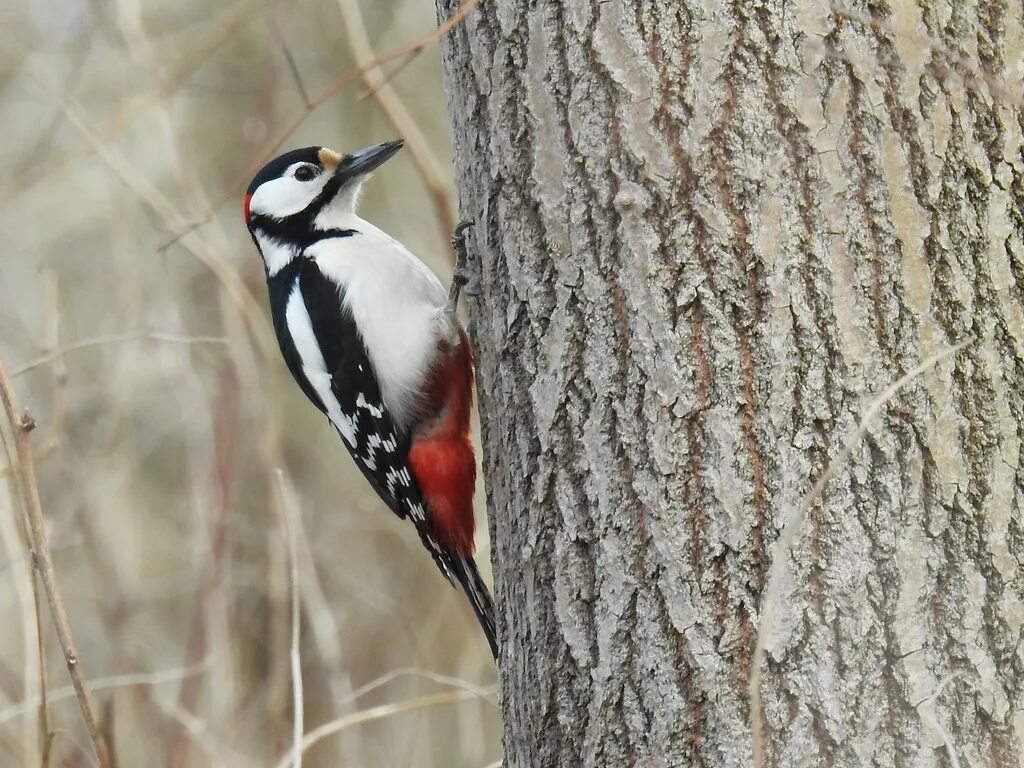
{"points": [[134, 324]]}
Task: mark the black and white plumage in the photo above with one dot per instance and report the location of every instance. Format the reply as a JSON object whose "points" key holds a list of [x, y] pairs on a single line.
{"points": [[369, 335]]}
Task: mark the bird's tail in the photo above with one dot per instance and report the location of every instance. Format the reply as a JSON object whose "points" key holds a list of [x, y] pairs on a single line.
{"points": [[464, 569]]}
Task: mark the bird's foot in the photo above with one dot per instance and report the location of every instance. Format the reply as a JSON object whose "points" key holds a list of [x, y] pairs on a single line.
{"points": [[463, 276]]}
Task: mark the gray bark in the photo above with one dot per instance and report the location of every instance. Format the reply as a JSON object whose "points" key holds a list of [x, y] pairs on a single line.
{"points": [[708, 235]]}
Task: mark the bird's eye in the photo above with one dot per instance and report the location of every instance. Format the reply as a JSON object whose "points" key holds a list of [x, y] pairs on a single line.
{"points": [[305, 173]]}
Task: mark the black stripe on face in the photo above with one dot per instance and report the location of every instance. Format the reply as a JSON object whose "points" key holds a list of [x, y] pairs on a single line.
{"points": [[296, 231]]}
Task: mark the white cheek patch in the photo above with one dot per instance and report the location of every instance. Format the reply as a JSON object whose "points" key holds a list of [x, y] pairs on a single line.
{"points": [[286, 195]]}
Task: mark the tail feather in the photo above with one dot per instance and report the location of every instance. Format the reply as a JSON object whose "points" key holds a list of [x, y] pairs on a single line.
{"points": [[464, 569]]}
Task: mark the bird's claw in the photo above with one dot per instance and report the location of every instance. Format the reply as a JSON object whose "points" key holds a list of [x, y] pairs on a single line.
{"points": [[463, 278], [459, 244]]}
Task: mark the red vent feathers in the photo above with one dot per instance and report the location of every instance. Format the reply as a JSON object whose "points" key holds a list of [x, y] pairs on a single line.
{"points": [[441, 454]]}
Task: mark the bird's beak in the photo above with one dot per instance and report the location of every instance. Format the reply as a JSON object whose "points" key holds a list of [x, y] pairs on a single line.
{"points": [[365, 160]]}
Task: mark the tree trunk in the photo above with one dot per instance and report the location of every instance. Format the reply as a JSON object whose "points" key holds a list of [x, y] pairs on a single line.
{"points": [[708, 235]]}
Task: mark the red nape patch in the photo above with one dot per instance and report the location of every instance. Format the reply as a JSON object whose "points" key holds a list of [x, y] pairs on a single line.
{"points": [[445, 470], [245, 207]]}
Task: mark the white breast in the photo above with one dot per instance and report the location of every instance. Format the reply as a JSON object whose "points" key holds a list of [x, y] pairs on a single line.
{"points": [[398, 305]]}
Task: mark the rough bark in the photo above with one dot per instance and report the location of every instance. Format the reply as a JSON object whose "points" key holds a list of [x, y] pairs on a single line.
{"points": [[708, 233]]}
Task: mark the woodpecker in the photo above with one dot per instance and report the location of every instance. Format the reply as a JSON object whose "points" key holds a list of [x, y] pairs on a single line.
{"points": [[372, 339]]}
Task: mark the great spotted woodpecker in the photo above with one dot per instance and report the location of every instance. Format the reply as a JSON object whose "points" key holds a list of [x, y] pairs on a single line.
{"points": [[373, 341]]}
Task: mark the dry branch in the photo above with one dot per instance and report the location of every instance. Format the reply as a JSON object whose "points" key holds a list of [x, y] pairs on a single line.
{"points": [[112, 338], [289, 512], [371, 714], [26, 588], [235, 19], [25, 481], [317, 100], [105, 683], [437, 184]]}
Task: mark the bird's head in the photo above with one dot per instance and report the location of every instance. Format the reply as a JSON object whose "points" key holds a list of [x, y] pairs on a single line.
{"points": [[296, 193]]}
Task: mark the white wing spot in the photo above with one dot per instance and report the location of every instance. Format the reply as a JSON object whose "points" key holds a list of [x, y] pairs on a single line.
{"points": [[373, 409]]}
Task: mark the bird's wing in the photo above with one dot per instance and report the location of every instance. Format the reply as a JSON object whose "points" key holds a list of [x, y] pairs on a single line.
{"points": [[328, 359], [326, 355]]}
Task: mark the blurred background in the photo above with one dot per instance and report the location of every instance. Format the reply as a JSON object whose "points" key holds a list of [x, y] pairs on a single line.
{"points": [[172, 445]]}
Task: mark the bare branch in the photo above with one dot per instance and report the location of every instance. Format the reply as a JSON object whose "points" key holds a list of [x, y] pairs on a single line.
{"points": [[235, 19], [374, 713], [25, 481], [162, 207], [26, 588], [104, 683], [292, 66], [316, 101], [289, 513], [113, 338], [437, 184]]}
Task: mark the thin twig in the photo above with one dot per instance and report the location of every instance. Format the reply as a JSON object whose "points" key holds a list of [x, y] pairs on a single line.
{"points": [[792, 525], [324, 629], [293, 67], [59, 371], [154, 198], [235, 19], [58, 411], [315, 102], [371, 714], [426, 674], [27, 590], [46, 450], [25, 479], [929, 716], [45, 735], [113, 338], [391, 74], [199, 732], [105, 683], [289, 510], [437, 184], [225, 447]]}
